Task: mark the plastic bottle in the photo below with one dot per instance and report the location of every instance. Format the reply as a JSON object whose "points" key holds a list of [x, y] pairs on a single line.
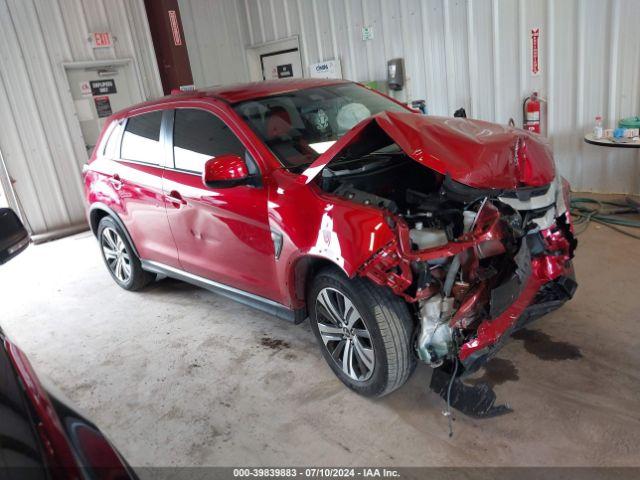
{"points": [[427, 237], [597, 130]]}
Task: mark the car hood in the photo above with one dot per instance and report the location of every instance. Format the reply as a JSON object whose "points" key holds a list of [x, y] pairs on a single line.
{"points": [[473, 152]]}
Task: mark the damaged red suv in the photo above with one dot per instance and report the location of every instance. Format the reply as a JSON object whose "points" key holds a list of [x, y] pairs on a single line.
{"points": [[402, 237]]}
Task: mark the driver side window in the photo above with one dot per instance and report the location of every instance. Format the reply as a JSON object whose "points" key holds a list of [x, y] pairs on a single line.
{"points": [[199, 135]]}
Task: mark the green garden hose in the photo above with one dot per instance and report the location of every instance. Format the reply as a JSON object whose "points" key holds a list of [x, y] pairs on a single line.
{"points": [[608, 213]]}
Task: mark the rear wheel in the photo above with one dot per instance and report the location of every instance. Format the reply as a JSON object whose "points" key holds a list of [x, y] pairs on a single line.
{"points": [[364, 332], [123, 265]]}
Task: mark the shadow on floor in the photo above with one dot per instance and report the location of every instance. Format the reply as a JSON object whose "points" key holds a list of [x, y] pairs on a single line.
{"points": [[496, 372], [545, 348]]}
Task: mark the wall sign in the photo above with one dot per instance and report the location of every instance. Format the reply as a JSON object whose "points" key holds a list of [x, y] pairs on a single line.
{"points": [[535, 52], [367, 32], [285, 71], [84, 110], [328, 69], [101, 40], [103, 87], [175, 28], [103, 106], [85, 89]]}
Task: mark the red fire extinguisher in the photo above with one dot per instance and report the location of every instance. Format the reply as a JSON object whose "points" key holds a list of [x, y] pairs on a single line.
{"points": [[531, 113]]}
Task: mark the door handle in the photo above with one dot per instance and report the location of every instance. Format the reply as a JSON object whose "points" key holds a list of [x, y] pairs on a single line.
{"points": [[116, 182], [175, 198]]}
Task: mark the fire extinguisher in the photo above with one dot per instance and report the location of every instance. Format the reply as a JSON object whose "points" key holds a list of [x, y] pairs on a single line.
{"points": [[531, 113]]}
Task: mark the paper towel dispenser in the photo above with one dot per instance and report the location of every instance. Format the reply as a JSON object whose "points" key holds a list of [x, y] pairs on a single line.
{"points": [[395, 74]]}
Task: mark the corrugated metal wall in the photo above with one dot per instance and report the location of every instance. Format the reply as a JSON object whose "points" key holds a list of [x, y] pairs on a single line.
{"points": [[471, 53], [40, 136], [457, 52], [216, 35]]}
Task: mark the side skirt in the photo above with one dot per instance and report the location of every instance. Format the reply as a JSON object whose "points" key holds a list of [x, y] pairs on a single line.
{"points": [[246, 298]]}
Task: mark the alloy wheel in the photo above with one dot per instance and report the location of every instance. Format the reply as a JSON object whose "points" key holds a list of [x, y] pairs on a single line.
{"points": [[116, 254], [344, 334]]}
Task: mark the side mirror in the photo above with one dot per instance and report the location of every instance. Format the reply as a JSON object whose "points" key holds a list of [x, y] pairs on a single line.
{"points": [[225, 171], [14, 238]]}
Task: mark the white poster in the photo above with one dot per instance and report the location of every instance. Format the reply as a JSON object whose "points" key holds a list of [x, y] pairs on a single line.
{"points": [[328, 69], [84, 109]]}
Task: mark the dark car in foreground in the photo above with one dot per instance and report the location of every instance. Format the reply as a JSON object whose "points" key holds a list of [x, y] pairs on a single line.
{"points": [[402, 237], [40, 436]]}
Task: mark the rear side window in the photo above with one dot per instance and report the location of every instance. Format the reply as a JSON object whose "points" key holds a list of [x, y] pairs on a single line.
{"points": [[109, 147], [198, 136], [141, 138]]}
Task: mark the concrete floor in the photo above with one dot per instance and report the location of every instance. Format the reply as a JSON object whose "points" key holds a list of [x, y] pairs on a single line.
{"points": [[179, 376]]}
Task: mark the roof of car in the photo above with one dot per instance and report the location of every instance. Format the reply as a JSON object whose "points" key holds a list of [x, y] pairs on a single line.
{"points": [[238, 92], [248, 91]]}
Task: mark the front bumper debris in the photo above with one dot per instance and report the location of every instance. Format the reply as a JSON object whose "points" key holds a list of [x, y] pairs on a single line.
{"points": [[476, 401], [479, 400], [533, 276], [491, 308], [542, 282]]}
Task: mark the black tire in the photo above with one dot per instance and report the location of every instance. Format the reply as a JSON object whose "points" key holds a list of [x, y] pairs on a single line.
{"points": [[138, 278], [389, 324]]}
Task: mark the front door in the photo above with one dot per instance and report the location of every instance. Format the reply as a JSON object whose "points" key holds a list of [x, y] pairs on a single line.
{"points": [[221, 234]]}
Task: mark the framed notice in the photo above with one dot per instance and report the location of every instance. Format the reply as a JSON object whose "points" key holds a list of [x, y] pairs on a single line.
{"points": [[103, 87], [103, 106]]}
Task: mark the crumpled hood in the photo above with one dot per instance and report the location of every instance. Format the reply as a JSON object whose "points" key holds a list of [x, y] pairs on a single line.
{"points": [[473, 152]]}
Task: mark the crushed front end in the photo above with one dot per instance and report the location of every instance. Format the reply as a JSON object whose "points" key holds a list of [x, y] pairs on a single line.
{"points": [[478, 265], [481, 234]]}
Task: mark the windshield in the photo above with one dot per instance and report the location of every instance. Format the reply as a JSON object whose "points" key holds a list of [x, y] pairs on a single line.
{"points": [[299, 126]]}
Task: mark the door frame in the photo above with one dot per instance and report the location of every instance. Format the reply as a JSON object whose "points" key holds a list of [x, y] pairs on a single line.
{"points": [[132, 72], [257, 51]]}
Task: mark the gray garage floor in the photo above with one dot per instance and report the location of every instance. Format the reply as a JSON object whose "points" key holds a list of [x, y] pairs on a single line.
{"points": [[180, 376]]}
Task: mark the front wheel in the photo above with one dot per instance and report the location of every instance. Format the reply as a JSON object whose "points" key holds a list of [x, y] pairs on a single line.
{"points": [[364, 332]]}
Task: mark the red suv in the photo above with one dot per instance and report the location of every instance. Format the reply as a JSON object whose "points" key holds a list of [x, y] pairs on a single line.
{"points": [[402, 237]]}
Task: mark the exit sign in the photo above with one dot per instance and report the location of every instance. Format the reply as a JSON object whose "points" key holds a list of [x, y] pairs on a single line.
{"points": [[101, 40]]}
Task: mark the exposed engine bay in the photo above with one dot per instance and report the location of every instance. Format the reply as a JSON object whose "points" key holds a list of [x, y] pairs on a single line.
{"points": [[474, 264]]}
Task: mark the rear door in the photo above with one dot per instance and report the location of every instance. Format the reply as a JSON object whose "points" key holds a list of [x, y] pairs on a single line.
{"points": [[221, 234], [138, 180]]}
